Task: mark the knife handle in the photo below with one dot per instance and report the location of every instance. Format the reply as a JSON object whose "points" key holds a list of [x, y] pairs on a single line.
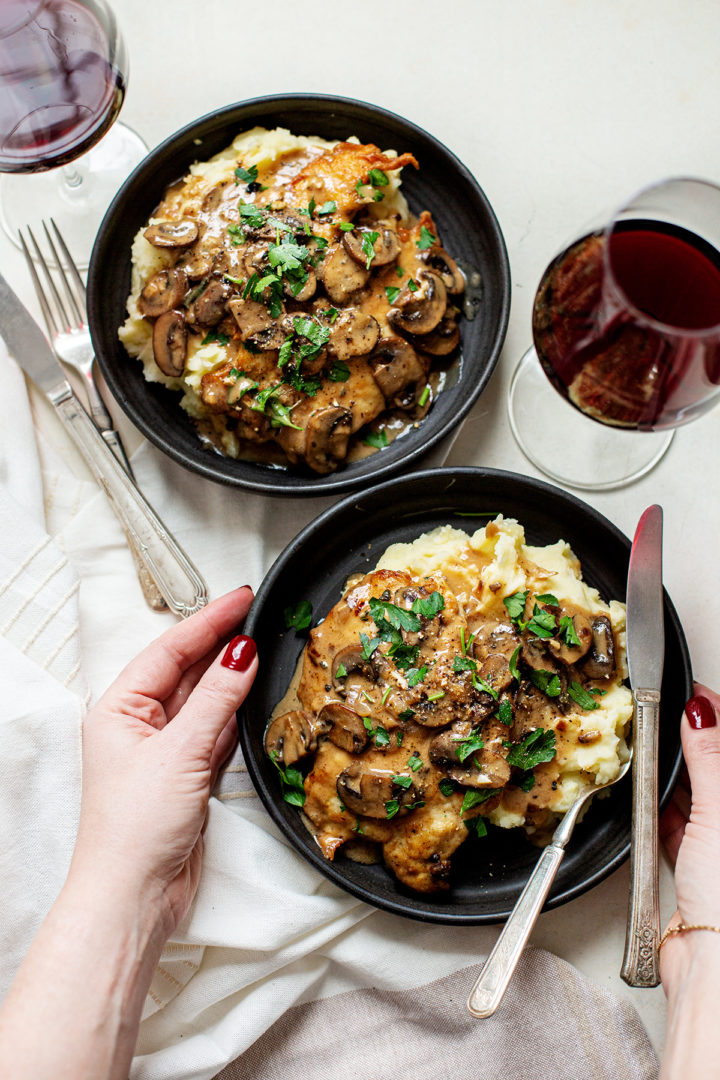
{"points": [[641, 965], [177, 579]]}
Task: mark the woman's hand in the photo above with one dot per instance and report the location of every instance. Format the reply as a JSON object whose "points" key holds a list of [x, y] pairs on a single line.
{"points": [[690, 830], [152, 747]]}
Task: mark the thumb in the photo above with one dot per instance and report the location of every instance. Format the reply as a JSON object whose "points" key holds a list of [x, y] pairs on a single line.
{"points": [[217, 696], [701, 749]]}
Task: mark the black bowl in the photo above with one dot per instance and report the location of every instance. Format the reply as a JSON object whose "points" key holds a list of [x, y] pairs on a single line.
{"points": [[488, 875], [442, 185]]}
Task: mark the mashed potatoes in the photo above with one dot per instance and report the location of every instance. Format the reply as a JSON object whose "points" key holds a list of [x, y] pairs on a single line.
{"points": [[495, 562]]}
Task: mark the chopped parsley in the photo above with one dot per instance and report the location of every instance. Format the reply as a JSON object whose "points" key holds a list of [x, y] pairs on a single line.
{"points": [[534, 748], [416, 675], [213, 337], [477, 797], [430, 605], [568, 632], [466, 747], [399, 737], [477, 825], [299, 616], [548, 598], [378, 439], [542, 623], [446, 787], [346, 226], [392, 292], [339, 372], [379, 734], [424, 396], [514, 670], [385, 614], [426, 239], [580, 695], [327, 208], [341, 672], [251, 214], [378, 178], [436, 696], [368, 246], [247, 176], [406, 714], [413, 285], [547, 681], [291, 782], [527, 781], [391, 807], [368, 646], [465, 663], [515, 604], [415, 761], [505, 713], [402, 780]]}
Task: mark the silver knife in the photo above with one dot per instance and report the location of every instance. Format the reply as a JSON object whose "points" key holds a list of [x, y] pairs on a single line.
{"points": [[167, 564], [646, 654]]}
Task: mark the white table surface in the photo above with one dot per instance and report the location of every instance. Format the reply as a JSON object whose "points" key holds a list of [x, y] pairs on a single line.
{"points": [[560, 108]]}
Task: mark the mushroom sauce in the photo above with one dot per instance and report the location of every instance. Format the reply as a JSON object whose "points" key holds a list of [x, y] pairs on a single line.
{"points": [[294, 300], [461, 683]]}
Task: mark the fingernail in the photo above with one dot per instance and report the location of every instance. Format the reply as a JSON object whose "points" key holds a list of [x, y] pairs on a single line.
{"points": [[239, 654], [700, 713]]}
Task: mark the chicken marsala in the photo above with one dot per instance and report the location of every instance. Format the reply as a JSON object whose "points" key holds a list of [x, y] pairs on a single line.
{"points": [[422, 712], [292, 297]]}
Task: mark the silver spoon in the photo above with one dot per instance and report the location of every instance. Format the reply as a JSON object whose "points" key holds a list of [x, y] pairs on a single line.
{"points": [[487, 993]]}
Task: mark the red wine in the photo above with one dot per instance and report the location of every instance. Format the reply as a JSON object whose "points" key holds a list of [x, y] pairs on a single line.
{"points": [[61, 81], [636, 347]]}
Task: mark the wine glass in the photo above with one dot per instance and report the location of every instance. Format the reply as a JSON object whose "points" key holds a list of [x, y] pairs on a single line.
{"points": [[63, 72], [626, 327]]}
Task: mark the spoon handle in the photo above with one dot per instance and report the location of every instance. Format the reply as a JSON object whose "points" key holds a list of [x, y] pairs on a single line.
{"points": [[495, 976], [641, 966]]}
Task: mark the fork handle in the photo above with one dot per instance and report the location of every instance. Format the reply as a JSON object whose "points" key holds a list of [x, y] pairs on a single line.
{"points": [[641, 962], [488, 991], [177, 579]]}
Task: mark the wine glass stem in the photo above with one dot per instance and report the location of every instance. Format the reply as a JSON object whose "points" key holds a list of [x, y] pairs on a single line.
{"points": [[72, 176]]}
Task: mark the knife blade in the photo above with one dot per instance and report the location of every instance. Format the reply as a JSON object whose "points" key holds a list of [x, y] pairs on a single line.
{"points": [[646, 654], [161, 556]]}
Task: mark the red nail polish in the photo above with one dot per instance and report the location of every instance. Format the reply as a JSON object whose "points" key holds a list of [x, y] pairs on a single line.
{"points": [[700, 713], [239, 654]]}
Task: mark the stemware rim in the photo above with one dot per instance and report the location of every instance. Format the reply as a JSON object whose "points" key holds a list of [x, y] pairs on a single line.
{"points": [[668, 329]]}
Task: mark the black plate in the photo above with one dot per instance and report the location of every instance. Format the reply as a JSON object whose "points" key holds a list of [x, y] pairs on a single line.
{"points": [[488, 875], [443, 185]]}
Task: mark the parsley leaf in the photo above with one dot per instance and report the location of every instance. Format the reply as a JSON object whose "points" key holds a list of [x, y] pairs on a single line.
{"points": [[213, 336], [547, 681], [327, 208], [378, 178], [514, 670], [413, 285], [416, 675], [404, 656], [515, 604], [426, 239], [505, 713], [476, 797], [299, 616], [339, 372], [402, 781], [346, 226], [568, 632], [368, 246], [415, 762], [378, 439], [477, 825], [248, 176], [446, 787], [369, 646], [542, 623], [391, 807], [379, 734], [392, 292], [527, 782], [251, 215], [535, 747], [406, 714], [429, 605], [291, 782], [382, 611], [341, 672], [466, 747], [548, 598], [584, 699]]}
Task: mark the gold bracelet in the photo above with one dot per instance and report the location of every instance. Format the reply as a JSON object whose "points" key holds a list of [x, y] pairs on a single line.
{"points": [[682, 928]]}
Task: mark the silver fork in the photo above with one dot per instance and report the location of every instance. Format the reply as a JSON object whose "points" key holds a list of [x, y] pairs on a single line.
{"points": [[66, 322]]}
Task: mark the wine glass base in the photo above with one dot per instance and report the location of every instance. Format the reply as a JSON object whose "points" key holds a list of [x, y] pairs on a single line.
{"points": [[571, 448], [76, 196]]}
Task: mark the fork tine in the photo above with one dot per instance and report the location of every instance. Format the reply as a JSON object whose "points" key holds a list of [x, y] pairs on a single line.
{"points": [[74, 307], [74, 272], [49, 278], [50, 320]]}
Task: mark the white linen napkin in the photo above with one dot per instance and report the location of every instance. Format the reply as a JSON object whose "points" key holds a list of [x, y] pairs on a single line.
{"points": [[267, 931]]}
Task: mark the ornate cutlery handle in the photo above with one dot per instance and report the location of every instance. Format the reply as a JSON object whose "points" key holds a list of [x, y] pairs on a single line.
{"points": [[495, 976], [177, 579], [641, 965]]}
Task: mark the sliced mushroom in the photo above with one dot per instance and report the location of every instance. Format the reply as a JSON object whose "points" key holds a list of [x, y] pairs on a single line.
{"points": [[600, 660], [366, 791], [493, 648], [399, 372], [198, 262], [570, 654], [351, 661], [210, 305], [170, 343], [346, 728], [443, 339], [172, 234], [301, 291], [535, 653], [532, 710], [328, 431], [481, 769], [341, 275], [385, 246], [354, 333], [164, 290], [420, 311], [294, 735], [438, 260], [256, 324]]}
